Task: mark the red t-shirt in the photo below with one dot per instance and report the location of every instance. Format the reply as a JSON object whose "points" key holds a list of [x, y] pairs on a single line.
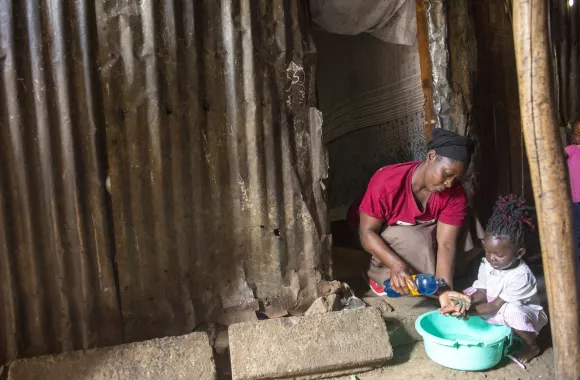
{"points": [[389, 197]]}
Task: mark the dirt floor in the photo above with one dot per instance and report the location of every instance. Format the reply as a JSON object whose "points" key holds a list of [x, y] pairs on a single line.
{"points": [[410, 360]]}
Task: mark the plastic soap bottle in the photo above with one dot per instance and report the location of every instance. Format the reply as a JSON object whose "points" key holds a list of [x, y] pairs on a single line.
{"points": [[427, 284]]}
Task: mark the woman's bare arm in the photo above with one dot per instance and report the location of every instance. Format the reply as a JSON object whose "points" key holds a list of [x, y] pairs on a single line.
{"points": [[447, 236], [373, 243]]}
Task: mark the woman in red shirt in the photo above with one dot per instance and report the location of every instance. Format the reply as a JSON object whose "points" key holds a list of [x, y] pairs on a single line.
{"points": [[412, 214]]}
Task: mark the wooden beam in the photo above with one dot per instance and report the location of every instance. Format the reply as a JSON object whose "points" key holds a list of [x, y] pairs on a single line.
{"points": [[425, 64], [549, 181]]}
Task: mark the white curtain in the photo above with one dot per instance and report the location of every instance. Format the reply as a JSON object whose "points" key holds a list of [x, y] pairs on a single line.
{"points": [[392, 21]]}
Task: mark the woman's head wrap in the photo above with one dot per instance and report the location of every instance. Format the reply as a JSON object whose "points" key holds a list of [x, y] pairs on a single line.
{"points": [[451, 145]]}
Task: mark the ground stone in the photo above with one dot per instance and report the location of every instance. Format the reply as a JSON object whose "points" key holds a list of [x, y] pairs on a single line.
{"points": [[380, 303], [309, 347], [326, 288], [324, 305], [182, 357]]}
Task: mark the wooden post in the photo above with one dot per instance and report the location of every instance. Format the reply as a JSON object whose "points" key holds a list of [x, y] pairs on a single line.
{"points": [[425, 64], [549, 181]]}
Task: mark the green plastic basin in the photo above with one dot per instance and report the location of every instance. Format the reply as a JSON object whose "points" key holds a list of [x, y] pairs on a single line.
{"points": [[472, 345]]}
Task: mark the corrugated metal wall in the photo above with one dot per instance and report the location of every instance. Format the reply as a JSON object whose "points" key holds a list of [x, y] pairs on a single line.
{"points": [[57, 282], [199, 112], [565, 35]]}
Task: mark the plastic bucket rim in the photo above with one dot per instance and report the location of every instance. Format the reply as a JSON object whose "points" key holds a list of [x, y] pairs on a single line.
{"points": [[451, 343]]}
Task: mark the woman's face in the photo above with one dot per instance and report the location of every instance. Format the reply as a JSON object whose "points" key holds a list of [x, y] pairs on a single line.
{"points": [[442, 173], [500, 252]]}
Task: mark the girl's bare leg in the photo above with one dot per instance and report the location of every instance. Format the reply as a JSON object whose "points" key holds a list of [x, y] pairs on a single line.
{"points": [[530, 349]]}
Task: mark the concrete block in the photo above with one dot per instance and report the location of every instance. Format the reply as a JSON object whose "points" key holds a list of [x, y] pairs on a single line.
{"points": [[312, 347], [182, 357]]}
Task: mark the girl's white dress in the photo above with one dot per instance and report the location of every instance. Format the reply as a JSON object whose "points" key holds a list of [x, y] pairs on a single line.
{"points": [[517, 287]]}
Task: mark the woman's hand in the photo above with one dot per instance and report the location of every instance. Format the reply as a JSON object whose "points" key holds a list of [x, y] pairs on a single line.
{"points": [[401, 279], [454, 303]]}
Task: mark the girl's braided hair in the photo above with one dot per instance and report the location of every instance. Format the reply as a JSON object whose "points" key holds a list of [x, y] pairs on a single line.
{"points": [[511, 217]]}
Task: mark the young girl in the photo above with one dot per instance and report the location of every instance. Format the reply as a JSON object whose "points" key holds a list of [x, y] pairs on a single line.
{"points": [[505, 291], [573, 153]]}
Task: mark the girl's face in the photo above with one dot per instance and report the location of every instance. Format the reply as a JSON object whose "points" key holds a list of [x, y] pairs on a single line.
{"points": [[500, 252]]}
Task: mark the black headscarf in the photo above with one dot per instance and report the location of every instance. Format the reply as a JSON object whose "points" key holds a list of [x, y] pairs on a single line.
{"points": [[451, 145]]}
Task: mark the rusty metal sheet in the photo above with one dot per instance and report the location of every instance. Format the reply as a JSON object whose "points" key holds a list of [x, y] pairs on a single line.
{"points": [[57, 287], [452, 52], [200, 114], [215, 167], [439, 54], [453, 57]]}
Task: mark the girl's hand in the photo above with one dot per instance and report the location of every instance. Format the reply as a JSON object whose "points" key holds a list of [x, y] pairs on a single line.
{"points": [[454, 303]]}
